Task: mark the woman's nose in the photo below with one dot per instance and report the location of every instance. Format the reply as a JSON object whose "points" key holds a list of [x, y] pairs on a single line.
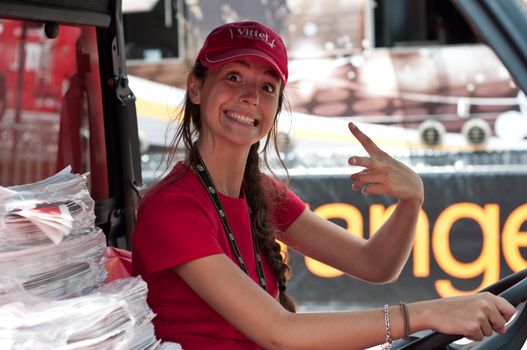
{"points": [[250, 94]]}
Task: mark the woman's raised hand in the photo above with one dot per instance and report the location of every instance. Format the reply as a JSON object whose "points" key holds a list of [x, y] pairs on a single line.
{"points": [[473, 316], [383, 174]]}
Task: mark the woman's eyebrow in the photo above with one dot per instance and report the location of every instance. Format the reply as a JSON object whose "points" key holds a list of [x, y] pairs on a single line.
{"points": [[273, 73]]}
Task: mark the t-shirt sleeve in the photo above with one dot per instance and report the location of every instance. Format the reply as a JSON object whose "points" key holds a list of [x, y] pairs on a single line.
{"points": [[285, 205], [172, 229]]}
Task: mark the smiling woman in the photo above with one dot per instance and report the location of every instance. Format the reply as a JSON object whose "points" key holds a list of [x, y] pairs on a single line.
{"points": [[238, 102], [205, 240]]}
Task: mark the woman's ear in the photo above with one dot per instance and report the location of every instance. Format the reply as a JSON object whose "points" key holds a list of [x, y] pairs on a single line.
{"points": [[193, 88]]}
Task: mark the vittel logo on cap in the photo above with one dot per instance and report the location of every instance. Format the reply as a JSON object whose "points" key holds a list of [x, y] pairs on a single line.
{"points": [[251, 33], [232, 41]]}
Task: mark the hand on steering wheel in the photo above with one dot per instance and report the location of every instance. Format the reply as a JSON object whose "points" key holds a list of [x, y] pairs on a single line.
{"points": [[512, 288]]}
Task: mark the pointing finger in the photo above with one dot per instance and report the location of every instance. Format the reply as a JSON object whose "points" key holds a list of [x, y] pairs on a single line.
{"points": [[364, 139]]}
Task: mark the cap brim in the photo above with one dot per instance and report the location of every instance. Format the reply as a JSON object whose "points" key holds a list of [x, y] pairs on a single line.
{"points": [[211, 60]]}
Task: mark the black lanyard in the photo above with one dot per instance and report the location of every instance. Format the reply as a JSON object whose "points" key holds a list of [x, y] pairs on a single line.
{"points": [[206, 180]]}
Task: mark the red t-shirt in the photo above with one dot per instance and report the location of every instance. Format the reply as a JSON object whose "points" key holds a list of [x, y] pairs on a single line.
{"points": [[178, 224]]}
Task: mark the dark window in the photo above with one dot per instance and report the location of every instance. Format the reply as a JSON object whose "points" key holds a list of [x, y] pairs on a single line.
{"points": [[152, 34], [419, 22]]}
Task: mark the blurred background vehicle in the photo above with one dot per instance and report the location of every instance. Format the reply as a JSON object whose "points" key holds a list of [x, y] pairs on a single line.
{"points": [[414, 64]]}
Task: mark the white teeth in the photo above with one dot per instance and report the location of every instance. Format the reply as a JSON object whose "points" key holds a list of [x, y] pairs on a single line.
{"points": [[241, 118]]}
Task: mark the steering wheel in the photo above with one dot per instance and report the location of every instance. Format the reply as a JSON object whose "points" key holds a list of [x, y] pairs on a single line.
{"points": [[514, 289]]}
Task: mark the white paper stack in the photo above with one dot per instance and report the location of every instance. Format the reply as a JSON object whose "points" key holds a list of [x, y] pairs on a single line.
{"points": [[51, 286], [57, 208], [49, 246], [116, 316], [71, 268]]}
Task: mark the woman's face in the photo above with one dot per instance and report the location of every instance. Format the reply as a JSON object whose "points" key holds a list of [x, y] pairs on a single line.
{"points": [[238, 101]]}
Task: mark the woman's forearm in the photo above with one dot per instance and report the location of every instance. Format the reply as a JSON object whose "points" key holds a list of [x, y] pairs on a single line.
{"points": [[389, 247], [348, 330]]}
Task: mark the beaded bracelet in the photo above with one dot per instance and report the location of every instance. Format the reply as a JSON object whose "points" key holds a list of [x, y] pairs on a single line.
{"points": [[388, 343]]}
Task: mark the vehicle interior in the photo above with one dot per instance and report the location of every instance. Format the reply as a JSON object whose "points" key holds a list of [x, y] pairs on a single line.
{"points": [[82, 113]]}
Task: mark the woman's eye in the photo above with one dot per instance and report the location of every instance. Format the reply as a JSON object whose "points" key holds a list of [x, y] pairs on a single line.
{"points": [[269, 88], [233, 77]]}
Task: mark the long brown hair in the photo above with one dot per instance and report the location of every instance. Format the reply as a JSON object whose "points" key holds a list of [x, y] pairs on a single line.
{"points": [[258, 195]]}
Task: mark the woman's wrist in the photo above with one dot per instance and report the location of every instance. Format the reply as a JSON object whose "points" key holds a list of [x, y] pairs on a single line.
{"points": [[411, 203], [417, 196], [418, 317]]}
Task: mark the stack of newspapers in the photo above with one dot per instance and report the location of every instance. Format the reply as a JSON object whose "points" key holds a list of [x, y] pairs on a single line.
{"points": [[52, 292]]}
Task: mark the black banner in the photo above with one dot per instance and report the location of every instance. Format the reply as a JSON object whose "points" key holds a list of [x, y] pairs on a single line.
{"points": [[471, 232]]}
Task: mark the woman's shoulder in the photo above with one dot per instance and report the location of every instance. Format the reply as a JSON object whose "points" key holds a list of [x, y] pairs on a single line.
{"points": [[274, 187], [286, 205]]}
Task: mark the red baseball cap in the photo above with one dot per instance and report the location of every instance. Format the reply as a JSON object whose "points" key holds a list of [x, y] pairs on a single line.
{"points": [[232, 41]]}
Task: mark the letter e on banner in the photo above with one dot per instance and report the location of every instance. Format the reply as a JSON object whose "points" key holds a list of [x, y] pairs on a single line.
{"points": [[513, 239]]}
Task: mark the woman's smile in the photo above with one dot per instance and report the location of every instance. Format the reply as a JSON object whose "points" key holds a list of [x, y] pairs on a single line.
{"points": [[242, 118]]}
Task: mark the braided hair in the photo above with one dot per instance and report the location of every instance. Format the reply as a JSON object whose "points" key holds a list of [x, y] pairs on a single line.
{"points": [[258, 195], [258, 199]]}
